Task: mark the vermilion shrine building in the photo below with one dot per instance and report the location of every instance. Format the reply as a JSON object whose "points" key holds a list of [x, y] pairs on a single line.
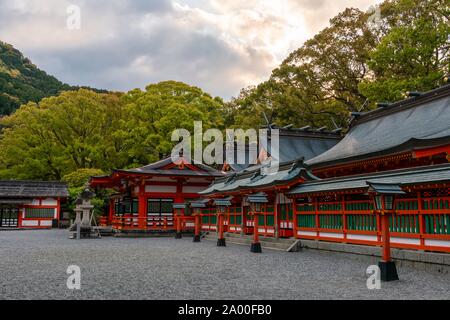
{"points": [[145, 197], [321, 189]]}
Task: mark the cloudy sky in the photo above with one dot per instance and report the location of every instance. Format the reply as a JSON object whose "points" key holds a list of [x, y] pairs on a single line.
{"points": [[218, 45]]}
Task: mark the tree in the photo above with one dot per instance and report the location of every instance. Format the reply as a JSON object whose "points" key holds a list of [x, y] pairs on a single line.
{"points": [[77, 182], [358, 60], [317, 84], [162, 108], [62, 135], [80, 129], [414, 55]]}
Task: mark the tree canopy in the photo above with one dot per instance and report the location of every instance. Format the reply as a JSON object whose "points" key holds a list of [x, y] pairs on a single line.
{"points": [[360, 59], [414, 54], [88, 130]]}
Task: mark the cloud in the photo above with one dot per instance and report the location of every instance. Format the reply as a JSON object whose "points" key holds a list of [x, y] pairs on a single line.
{"points": [[220, 46]]}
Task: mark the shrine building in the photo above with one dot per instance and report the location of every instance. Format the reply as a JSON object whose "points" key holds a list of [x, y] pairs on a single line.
{"points": [[31, 204], [326, 197]]}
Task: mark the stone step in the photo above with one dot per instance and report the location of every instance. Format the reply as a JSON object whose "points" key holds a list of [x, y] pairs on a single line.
{"points": [[267, 239], [266, 242]]}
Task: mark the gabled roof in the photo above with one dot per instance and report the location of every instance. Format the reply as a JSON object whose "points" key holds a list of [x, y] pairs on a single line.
{"points": [[294, 144], [165, 168], [258, 179], [403, 177], [31, 189], [180, 168], [408, 125]]}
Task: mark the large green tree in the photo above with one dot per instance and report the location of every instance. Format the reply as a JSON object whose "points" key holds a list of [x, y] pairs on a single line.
{"points": [[360, 59], [58, 135], [414, 55], [317, 84], [84, 129], [162, 108]]}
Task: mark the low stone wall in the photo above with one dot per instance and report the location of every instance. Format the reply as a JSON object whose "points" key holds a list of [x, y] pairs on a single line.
{"points": [[422, 260]]}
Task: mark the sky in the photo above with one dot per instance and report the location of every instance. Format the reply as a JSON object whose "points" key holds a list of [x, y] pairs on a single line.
{"points": [[220, 46]]}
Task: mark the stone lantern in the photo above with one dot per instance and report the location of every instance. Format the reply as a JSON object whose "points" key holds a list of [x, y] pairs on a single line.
{"points": [[384, 199], [222, 205], [83, 209], [256, 207], [197, 207]]}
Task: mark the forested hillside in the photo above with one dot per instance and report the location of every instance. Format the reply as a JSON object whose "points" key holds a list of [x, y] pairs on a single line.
{"points": [[21, 81]]}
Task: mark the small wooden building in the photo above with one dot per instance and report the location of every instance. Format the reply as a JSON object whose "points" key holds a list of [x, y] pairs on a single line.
{"points": [[31, 204]]}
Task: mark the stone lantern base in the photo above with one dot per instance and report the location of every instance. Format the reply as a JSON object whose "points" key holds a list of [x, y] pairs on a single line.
{"points": [[256, 248], [388, 271]]}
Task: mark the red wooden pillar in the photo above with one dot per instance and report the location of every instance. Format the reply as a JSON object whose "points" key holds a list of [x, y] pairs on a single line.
{"points": [[58, 209], [221, 238], [197, 227], [344, 218], [294, 218], [142, 208], [256, 228], [316, 212], [19, 216], [421, 219], [256, 245], [111, 211], [385, 237], [276, 216]]}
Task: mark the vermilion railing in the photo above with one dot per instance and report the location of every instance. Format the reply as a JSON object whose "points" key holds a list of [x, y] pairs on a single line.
{"points": [[103, 221], [234, 219], [209, 219], [417, 224], [130, 222]]}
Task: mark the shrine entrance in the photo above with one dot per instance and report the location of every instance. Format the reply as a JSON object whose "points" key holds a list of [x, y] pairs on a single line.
{"points": [[160, 214], [9, 217]]}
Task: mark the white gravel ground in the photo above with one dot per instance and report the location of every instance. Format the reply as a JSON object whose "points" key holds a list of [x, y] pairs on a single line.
{"points": [[33, 266]]}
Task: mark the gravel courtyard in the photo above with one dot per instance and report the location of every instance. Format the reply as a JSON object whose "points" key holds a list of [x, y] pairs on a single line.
{"points": [[33, 266]]}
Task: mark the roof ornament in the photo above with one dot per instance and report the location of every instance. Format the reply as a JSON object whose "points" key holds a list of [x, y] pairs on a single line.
{"points": [[412, 94], [383, 104], [305, 128], [259, 174], [231, 179], [299, 163]]}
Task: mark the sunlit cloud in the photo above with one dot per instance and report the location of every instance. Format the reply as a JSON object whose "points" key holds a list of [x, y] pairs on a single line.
{"points": [[220, 46]]}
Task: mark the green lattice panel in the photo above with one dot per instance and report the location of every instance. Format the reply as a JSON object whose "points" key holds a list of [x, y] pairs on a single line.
{"points": [[306, 221]]}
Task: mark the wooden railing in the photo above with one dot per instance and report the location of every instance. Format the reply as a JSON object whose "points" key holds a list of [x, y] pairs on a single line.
{"points": [[234, 220], [128, 222], [417, 223]]}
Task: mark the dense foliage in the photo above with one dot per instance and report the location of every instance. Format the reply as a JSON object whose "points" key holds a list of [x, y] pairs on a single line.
{"points": [[22, 82], [88, 130], [360, 59]]}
